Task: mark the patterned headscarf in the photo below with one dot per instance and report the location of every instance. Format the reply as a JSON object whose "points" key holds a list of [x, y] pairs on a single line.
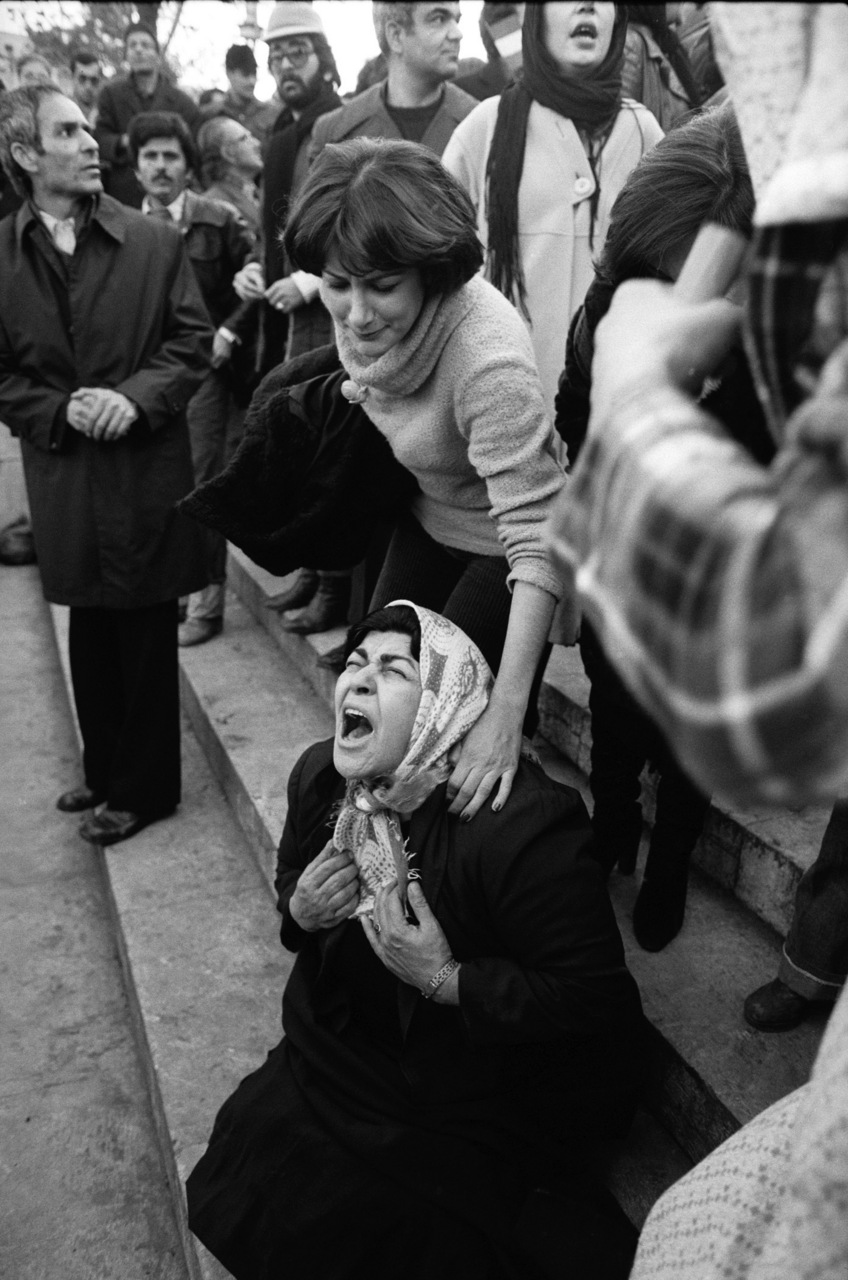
{"points": [[455, 686]]}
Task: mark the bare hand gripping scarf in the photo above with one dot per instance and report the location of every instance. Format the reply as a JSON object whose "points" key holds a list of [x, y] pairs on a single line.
{"points": [[455, 686]]}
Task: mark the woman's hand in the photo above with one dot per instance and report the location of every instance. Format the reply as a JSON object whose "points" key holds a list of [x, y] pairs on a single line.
{"points": [[489, 753], [327, 891], [412, 952]]}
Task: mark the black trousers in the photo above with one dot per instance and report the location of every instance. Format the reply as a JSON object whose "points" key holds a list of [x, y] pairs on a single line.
{"points": [[469, 590], [624, 738], [125, 676]]}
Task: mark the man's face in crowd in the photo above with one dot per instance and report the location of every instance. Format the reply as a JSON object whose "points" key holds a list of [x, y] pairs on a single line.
{"points": [[242, 84], [162, 169], [142, 54], [87, 79], [294, 65], [241, 149], [68, 163], [431, 45]]}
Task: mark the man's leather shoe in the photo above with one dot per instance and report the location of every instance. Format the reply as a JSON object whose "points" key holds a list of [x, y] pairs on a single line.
{"points": [[111, 825], [775, 1007], [198, 631], [79, 799]]}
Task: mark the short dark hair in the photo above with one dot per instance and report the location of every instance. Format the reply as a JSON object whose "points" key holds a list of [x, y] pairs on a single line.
{"points": [[148, 125], [83, 58], [393, 617], [142, 28], [697, 173], [240, 57], [381, 205], [19, 123]]}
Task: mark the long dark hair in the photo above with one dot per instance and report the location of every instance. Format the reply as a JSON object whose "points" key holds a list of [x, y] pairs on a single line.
{"points": [[591, 102]]}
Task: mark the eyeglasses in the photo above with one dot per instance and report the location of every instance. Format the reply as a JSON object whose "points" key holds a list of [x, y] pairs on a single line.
{"points": [[297, 55]]}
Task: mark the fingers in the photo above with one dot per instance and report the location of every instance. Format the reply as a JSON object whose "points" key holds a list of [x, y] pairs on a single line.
{"points": [[507, 779], [474, 789]]}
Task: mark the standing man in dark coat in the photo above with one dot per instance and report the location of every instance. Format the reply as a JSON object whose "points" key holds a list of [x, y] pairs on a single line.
{"points": [[294, 320], [103, 340], [144, 89]]}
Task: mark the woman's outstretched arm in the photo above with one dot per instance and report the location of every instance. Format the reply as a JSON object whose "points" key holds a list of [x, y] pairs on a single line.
{"points": [[489, 754]]}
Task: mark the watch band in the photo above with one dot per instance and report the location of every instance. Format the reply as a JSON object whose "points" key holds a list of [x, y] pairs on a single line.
{"points": [[438, 978]]}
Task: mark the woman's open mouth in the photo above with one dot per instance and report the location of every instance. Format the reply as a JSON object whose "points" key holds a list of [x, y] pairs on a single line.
{"points": [[585, 30], [355, 726]]}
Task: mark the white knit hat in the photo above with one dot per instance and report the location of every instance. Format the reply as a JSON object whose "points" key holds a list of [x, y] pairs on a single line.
{"points": [[293, 18]]}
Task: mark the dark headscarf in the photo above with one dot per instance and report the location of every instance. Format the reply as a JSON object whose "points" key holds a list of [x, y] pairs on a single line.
{"points": [[592, 102]]}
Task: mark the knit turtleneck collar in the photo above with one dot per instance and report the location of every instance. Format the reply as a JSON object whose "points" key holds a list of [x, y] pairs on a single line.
{"points": [[406, 366]]}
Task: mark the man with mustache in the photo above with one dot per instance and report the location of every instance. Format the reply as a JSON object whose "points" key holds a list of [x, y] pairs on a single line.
{"points": [[218, 242], [145, 88]]}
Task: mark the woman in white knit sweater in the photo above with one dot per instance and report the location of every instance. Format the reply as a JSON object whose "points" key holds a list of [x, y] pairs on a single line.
{"points": [[444, 368]]}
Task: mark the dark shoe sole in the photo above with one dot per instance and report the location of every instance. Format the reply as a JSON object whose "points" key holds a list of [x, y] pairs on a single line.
{"points": [[78, 800]]}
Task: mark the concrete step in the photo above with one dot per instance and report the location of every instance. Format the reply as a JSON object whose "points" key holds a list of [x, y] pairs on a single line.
{"points": [[759, 855], [710, 1071], [193, 912]]}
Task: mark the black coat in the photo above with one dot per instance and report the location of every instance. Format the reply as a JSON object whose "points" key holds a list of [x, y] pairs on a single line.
{"points": [[312, 477], [126, 314], [451, 1114]]}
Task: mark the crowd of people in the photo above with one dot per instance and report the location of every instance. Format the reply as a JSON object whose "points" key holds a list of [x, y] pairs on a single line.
{"points": [[434, 351]]}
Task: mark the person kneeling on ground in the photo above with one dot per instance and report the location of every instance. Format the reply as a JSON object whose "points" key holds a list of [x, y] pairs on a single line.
{"points": [[460, 1027]]}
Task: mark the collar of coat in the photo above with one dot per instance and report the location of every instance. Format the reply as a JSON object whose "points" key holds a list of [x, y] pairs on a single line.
{"points": [[108, 213]]}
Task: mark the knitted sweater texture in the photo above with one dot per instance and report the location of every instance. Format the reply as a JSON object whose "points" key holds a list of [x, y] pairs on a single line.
{"points": [[460, 402]]}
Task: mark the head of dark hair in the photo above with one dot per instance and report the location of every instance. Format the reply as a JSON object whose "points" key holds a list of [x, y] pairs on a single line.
{"points": [[394, 617], [148, 125], [381, 205], [19, 123], [144, 29], [240, 57], [83, 58], [696, 174]]}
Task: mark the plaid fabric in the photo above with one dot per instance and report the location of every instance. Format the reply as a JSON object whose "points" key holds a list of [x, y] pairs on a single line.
{"points": [[720, 588]]}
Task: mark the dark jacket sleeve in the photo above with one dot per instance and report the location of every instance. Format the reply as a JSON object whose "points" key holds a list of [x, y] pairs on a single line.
{"points": [[33, 410], [240, 245], [108, 131], [163, 386], [560, 971]]}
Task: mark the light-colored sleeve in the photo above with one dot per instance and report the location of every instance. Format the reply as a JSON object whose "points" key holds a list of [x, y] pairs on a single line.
{"points": [[501, 413], [720, 592]]}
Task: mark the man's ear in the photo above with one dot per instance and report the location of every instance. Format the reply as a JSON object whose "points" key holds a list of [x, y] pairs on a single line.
{"points": [[26, 157], [394, 36]]}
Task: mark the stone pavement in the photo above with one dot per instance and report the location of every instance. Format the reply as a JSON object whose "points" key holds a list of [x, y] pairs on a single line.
{"points": [[83, 1191]]}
